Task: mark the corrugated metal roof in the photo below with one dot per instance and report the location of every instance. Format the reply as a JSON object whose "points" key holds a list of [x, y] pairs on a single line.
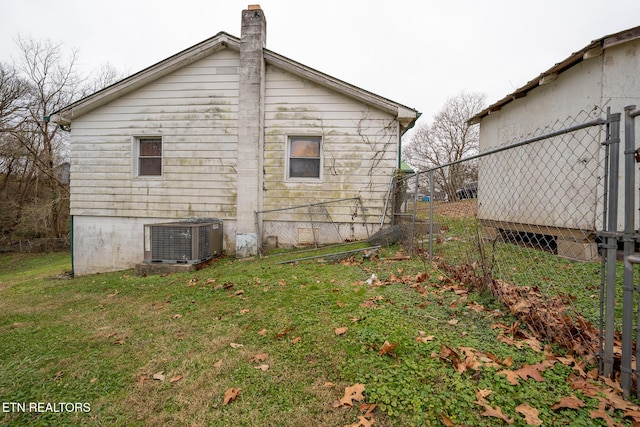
{"points": [[595, 48]]}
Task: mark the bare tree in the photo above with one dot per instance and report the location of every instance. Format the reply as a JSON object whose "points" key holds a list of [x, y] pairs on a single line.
{"points": [[34, 201], [104, 76], [31, 145], [13, 90], [448, 139]]}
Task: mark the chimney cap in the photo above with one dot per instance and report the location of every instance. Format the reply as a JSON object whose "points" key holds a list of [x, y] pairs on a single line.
{"points": [[253, 7]]}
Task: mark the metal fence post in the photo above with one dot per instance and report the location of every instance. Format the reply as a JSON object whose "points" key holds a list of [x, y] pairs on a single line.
{"points": [[629, 244], [612, 244], [630, 237], [431, 172], [413, 217]]}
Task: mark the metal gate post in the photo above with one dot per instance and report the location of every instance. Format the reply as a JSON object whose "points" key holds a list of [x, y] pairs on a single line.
{"points": [[612, 244], [629, 245], [630, 138]]}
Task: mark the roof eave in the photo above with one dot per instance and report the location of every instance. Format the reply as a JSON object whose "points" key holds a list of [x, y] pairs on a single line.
{"points": [[406, 116], [592, 50], [220, 41]]}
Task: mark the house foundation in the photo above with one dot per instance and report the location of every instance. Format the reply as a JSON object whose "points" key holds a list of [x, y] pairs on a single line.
{"points": [[586, 251], [576, 245]]}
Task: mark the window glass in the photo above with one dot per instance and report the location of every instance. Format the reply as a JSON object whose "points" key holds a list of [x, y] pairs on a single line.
{"points": [[150, 157], [305, 148], [304, 157]]}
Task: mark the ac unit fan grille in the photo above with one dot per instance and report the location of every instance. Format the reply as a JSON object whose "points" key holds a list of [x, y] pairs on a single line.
{"points": [[176, 243], [186, 242]]}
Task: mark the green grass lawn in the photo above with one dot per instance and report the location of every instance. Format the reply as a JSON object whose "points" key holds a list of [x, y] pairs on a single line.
{"points": [[154, 350]]}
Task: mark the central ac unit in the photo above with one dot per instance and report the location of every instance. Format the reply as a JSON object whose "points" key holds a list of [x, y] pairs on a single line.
{"points": [[186, 242]]}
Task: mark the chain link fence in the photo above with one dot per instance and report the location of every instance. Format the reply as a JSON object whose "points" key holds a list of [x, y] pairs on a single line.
{"points": [[527, 228], [313, 225], [38, 245]]}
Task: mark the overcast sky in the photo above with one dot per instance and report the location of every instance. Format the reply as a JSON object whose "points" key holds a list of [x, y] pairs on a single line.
{"points": [[415, 52]]}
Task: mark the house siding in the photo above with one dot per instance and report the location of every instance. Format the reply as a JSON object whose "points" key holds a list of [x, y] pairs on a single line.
{"points": [[195, 111], [359, 151]]}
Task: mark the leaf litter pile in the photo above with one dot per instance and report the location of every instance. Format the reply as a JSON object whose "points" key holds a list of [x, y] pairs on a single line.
{"points": [[545, 318]]}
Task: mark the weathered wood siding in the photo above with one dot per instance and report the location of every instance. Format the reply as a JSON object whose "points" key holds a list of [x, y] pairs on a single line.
{"points": [[552, 184], [360, 146], [194, 109]]}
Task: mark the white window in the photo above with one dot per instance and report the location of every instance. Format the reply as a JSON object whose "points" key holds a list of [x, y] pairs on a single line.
{"points": [[149, 156], [304, 157]]}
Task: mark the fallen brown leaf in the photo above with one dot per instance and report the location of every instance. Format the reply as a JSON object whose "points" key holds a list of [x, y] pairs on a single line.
{"points": [[367, 408], [482, 393], [363, 421], [387, 348], [260, 357], [494, 412], [512, 376], [531, 371], [283, 333], [175, 379], [530, 414], [570, 402], [230, 395], [448, 422], [601, 412], [352, 393], [340, 331]]}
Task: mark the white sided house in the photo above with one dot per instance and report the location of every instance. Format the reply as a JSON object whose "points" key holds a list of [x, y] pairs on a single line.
{"points": [[553, 189], [221, 130]]}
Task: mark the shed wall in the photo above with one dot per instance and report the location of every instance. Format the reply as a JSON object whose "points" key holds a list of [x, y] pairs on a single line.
{"points": [[542, 197]]}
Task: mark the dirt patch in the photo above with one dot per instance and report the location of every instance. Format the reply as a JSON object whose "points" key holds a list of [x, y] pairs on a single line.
{"points": [[460, 209]]}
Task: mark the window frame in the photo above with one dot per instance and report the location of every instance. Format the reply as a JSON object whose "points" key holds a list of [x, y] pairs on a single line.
{"points": [[289, 142], [138, 157]]}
